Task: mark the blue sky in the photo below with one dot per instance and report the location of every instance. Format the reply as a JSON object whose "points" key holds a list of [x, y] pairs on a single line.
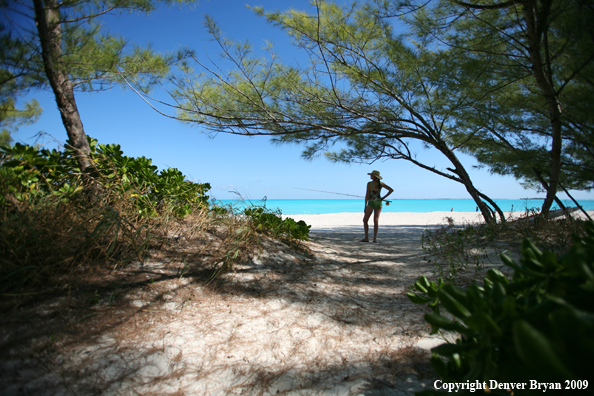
{"points": [[252, 167]]}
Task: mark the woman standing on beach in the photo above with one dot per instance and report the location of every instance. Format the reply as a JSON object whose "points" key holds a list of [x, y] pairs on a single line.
{"points": [[373, 203]]}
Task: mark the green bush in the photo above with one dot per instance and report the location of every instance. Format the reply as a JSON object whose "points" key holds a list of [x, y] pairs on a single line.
{"points": [[28, 173], [538, 326], [49, 228], [151, 190], [274, 224]]}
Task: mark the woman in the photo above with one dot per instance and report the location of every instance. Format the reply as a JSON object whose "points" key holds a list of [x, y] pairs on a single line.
{"points": [[373, 203]]}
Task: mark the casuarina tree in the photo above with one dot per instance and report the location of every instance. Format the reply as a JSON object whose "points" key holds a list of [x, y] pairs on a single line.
{"points": [[62, 48], [526, 71], [362, 86]]}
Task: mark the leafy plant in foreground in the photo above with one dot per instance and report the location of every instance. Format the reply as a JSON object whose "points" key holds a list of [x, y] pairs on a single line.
{"points": [[538, 326]]}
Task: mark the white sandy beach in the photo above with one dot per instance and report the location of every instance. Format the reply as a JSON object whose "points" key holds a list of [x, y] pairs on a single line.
{"points": [[404, 221], [398, 222], [330, 319]]}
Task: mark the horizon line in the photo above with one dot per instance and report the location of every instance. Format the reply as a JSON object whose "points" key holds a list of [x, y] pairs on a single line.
{"points": [[389, 199]]}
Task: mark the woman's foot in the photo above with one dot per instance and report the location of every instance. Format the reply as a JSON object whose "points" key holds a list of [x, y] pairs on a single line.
{"points": [[364, 240]]}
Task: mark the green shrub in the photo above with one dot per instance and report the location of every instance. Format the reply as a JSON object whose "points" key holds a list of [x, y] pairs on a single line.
{"points": [[537, 326], [48, 227], [28, 173], [274, 224], [150, 190]]}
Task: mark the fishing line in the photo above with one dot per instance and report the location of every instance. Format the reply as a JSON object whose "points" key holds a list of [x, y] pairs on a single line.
{"points": [[331, 192]]}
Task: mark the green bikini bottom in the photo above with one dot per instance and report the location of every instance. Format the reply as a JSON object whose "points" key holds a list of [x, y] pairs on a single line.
{"points": [[375, 203]]}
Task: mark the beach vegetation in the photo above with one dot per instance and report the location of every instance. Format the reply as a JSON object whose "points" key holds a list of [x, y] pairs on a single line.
{"points": [[48, 226], [456, 249], [533, 326], [51, 234], [273, 224], [30, 173], [60, 46], [528, 67], [453, 251]]}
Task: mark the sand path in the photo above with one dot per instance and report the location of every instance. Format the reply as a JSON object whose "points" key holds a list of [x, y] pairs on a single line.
{"points": [[334, 321], [331, 319]]}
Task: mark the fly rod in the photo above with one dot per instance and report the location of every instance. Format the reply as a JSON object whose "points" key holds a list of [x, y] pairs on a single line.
{"points": [[348, 195]]}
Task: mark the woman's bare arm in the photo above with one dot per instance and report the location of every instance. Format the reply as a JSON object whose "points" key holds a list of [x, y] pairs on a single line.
{"points": [[390, 190]]}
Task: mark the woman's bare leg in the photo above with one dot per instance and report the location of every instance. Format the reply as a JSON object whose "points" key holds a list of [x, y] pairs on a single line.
{"points": [[368, 211], [376, 215]]}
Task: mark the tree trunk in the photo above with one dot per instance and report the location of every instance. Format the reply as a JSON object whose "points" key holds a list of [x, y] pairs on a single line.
{"points": [[536, 22], [465, 179], [48, 21], [460, 172], [495, 206], [485, 211], [576, 204], [546, 186]]}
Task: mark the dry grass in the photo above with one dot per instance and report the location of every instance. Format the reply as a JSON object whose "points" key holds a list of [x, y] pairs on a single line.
{"points": [[50, 246], [96, 299], [460, 253], [306, 319]]}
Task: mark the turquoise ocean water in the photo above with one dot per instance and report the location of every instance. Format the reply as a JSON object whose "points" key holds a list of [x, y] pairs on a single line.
{"points": [[323, 206]]}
